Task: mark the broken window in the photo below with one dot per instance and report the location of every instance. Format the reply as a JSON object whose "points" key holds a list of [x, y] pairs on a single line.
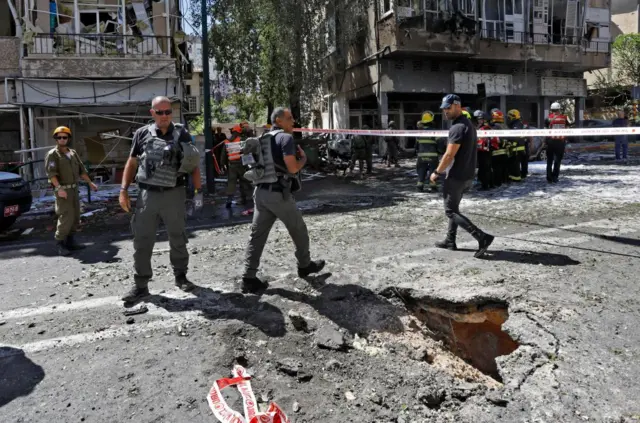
{"points": [[7, 24], [386, 6]]}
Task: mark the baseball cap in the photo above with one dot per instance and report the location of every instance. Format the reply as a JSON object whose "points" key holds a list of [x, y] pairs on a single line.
{"points": [[449, 100]]}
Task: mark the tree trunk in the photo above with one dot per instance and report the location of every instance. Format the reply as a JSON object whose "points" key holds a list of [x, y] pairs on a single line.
{"points": [[270, 107]]}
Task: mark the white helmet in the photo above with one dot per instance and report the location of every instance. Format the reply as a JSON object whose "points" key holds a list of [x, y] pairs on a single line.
{"points": [[555, 106]]}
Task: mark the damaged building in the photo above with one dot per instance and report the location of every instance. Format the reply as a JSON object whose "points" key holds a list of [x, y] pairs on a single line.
{"points": [[525, 53], [91, 65]]}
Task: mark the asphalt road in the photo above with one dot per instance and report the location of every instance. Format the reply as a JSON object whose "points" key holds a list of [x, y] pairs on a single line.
{"points": [[564, 266]]}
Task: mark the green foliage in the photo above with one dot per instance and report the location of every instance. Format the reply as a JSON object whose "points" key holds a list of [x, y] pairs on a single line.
{"points": [[249, 107], [614, 85]]}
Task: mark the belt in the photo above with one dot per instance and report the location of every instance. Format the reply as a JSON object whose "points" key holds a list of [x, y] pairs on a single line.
{"points": [[159, 189], [68, 186], [271, 187]]}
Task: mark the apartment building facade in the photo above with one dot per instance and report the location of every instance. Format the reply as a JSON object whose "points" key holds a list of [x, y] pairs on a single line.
{"points": [[92, 65], [527, 53]]}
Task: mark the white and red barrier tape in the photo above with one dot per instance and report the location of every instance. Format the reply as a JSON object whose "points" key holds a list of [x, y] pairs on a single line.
{"points": [[571, 132], [225, 414]]}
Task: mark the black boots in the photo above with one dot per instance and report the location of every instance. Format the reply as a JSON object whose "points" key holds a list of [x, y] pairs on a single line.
{"points": [[253, 285], [184, 284], [484, 239], [313, 267], [447, 244], [72, 245], [62, 248], [136, 293]]}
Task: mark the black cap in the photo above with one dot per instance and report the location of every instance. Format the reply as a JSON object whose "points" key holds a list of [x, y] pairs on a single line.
{"points": [[449, 100]]}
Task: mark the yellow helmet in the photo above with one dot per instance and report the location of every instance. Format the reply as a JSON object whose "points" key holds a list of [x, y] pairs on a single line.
{"points": [[427, 117], [513, 114], [62, 129], [467, 114]]}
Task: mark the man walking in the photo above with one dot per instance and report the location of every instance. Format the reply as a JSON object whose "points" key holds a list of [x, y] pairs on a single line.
{"points": [[622, 141], [64, 170], [458, 166], [358, 153], [276, 180], [162, 155]]}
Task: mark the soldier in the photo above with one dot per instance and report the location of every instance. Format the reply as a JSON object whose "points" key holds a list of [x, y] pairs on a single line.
{"points": [[519, 160], [231, 159], [276, 179], [427, 152], [500, 151], [392, 147], [64, 170], [358, 152], [162, 155], [485, 173]]}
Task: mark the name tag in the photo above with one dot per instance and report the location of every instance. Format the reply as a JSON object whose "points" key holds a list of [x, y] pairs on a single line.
{"points": [[247, 159]]}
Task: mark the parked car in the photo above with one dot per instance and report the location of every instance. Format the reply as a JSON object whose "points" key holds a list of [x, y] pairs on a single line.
{"points": [[537, 148], [15, 198]]}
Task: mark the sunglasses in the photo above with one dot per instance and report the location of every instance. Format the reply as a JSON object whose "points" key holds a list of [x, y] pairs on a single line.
{"points": [[163, 112], [61, 138]]}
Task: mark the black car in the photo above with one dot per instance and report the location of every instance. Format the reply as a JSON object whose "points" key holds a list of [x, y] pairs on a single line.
{"points": [[15, 198]]}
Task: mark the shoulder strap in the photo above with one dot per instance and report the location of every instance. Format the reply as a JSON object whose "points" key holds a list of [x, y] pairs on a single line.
{"points": [[152, 130]]}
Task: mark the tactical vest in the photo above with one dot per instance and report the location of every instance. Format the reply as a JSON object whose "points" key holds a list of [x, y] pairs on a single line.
{"points": [[162, 162], [557, 122], [427, 148], [264, 169], [359, 143]]}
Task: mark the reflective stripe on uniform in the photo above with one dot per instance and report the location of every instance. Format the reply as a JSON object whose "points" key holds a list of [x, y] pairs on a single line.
{"points": [[427, 154], [234, 150], [68, 186], [422, 141], [521, 148], [499, 152]]}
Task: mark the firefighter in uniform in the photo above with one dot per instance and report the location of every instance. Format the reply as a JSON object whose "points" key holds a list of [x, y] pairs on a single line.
{"points": [[161, 157], [485, 172], [231, 158], [518, 161], [64, 170], [499, 151], [555, 144], [427, 152], [392, 147]]}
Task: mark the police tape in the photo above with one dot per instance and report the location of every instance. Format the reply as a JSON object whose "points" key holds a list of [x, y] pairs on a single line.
{"points": [[570, 132], [225, 414]]}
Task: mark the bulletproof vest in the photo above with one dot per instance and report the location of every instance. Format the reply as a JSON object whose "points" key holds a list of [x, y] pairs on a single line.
{"points": [[359, 143], [263, 171], [161, 162]]}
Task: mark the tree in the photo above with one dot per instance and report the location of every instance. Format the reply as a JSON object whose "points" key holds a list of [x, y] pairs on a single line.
{"points": [[614, 84], [277, 47]]}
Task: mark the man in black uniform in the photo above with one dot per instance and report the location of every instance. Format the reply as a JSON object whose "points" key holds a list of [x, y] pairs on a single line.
{"points": [[459, 174]]}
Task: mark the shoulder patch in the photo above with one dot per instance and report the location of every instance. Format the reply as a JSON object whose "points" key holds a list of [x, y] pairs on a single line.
{"points": [[52, 164]]}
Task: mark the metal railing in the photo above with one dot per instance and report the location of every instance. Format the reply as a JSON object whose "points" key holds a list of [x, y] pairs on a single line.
{"points": [[518, 37], [92, 44]]}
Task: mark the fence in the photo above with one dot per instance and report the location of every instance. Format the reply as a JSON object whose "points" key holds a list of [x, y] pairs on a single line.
{"points": [[89, 44], [518, 37]]}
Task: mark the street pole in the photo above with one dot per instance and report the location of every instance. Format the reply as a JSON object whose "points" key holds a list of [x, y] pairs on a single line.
{"points": [[208, 135]]}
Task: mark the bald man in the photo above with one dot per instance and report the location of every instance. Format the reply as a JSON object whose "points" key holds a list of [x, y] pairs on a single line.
{"points": [[162, 156]]}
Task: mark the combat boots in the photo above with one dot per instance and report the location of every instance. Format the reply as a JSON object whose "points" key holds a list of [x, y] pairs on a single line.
{"points": [[253, 285], [484, 241], [447, 244], [136, 293], [72, 245], [184, 284], [313, 267], [62, 248]]}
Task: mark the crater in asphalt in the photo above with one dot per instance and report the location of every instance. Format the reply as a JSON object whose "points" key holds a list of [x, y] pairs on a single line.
{"points": [[471, 331]]}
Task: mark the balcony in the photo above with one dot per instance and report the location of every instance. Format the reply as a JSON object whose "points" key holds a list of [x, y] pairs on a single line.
{"points": [[582, 54], [95, 55]]}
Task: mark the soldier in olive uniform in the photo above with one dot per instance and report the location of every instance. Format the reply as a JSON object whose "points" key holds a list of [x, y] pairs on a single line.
{"points": [[64, 170], [358, 152], [162, 155]]}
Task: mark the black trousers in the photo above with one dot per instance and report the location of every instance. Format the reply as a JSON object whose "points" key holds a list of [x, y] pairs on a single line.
{"points": [[485, 173], [500, 169], [524, 162], [452, 194], [555, 153]]}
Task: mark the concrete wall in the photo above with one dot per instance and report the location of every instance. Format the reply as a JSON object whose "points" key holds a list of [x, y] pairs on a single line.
{"points": [[98, 67], [9, 57]]}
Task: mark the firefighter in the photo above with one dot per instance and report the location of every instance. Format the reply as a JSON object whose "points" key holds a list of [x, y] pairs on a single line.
{"points": [[427, 152], [518, 161], [485, 173], [358, 152], [232, 159], [499, 151], [555, 144]]}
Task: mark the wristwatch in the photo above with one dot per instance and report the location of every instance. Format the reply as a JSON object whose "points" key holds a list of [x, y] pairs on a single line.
{"points": [[438, 173]]}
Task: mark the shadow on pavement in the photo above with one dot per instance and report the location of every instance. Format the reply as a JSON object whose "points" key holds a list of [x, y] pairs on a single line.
{"points": [[99, 252], [18, 375], [530, 257], [222, 306], [620, 239], [352, 307]]}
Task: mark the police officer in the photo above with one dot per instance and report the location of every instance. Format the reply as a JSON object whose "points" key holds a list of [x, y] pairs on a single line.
{"points": [[231, 158], [275, 177], [458, 167], [485, 173], [392, 147], [427, 152], [358, 152], [64, 170], [500, 151], [519, 162], [162, 155], [555, 144]]}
